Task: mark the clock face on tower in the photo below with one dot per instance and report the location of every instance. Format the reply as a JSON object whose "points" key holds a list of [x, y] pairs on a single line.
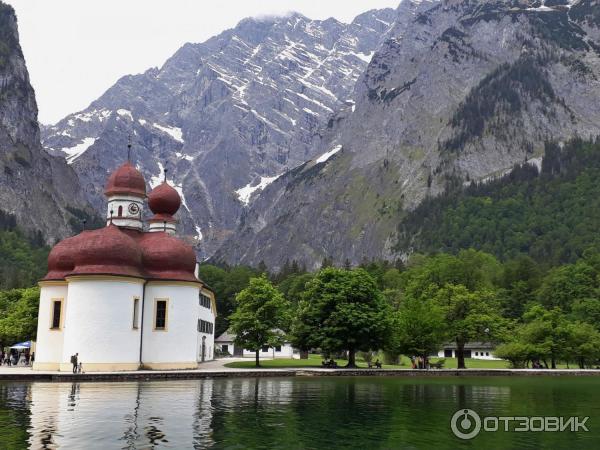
{"points": [[133, 208]]}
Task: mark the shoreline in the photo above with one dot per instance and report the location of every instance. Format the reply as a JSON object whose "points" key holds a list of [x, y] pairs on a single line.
{"points": [[149, 375]]}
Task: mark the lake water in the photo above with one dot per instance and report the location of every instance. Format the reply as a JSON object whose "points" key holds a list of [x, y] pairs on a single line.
{"points": [[291, 413]]}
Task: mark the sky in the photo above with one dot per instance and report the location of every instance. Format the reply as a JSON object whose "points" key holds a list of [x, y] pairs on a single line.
{"points": [[76, 49]]}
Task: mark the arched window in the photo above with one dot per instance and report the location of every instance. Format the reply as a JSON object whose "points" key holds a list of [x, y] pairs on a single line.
{"points": [[120, 212]]}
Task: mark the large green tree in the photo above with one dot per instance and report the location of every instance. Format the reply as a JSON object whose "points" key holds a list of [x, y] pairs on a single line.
{"points": [[419, 328], [342, 310], [18, 315], [549, 334], [464, 287], [469, 316], [584, 344], [226, 283], [260, 315], [568, 284]]}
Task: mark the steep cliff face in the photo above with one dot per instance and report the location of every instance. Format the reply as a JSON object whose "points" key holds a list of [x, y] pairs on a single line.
{"points": [[41, 191], [461, 91], [225, 116]]}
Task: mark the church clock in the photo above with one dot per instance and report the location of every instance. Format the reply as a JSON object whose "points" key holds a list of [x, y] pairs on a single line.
{"points": [[134, 209]]}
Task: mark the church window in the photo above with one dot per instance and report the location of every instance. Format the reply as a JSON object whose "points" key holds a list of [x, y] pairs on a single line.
{"points": [[204, 301], [265, 348], [160, 314], [278, 348], [56, 314], [205, 327], [136, 312], [120, 211]]}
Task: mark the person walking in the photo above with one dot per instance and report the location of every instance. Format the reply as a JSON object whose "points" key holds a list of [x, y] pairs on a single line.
{"points": [[74, 362]]}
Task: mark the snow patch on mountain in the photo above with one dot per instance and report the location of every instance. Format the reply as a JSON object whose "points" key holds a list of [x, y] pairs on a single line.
{"points": [[182, 156], [125, 113], [174, 132], [325, 156], [245, 194], [72, 153]]}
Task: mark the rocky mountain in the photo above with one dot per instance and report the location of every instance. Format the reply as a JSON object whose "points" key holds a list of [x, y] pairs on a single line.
{"points": [[226, 116], [40, 191], [459, 93]]}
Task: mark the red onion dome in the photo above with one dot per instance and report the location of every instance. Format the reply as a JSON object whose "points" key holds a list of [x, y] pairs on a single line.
{"points": [[164, 200], [61, 259], [126, 180], [108, 251], [167, 258]]}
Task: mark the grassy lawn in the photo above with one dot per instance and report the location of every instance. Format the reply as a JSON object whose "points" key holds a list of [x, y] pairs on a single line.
{"points": [[315, 361]]}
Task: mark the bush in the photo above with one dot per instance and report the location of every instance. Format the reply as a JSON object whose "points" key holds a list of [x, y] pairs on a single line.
{"points": [[516, 353]]}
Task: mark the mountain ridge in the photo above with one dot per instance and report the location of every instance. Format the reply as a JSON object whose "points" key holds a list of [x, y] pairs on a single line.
{"points": [[222, 115], [455, 102], [38, 190]]}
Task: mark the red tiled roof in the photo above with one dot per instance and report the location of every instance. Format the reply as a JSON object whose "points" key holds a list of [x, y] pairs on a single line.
{"points": [[164, 199], [114, 251], [126, 180]]}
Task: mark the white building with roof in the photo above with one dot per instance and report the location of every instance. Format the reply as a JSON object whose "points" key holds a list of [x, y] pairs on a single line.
{"points": [[475, 350], [227, 346], [122, 298]]}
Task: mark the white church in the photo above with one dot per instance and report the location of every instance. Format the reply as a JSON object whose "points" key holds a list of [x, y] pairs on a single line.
{"points": [[124, 298]]}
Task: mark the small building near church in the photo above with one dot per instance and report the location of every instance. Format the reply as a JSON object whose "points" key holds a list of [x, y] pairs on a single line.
{"points": [[475, 350], [226, 345], [281, 351], [123, 298]]}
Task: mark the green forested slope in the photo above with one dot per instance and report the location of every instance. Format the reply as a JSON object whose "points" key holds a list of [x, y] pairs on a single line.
{"points": [[553, 216], [22, 260]]}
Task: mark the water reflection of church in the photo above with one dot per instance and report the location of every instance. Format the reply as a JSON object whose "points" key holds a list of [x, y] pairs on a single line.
{"points": [[175, 414], [124, 298]]}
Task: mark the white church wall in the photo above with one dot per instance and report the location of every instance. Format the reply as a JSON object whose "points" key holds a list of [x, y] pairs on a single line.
{"points": [[175, 347], [99, 323], [207, 315], [49, 347]]}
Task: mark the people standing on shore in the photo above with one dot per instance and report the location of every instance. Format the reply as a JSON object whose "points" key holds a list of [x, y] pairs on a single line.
{"points": [[74, 362]]}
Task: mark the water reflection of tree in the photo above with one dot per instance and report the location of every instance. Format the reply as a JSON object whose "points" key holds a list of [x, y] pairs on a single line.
{"points": [[248, 413], [330, 412], [14, 414], [202, 431]]}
